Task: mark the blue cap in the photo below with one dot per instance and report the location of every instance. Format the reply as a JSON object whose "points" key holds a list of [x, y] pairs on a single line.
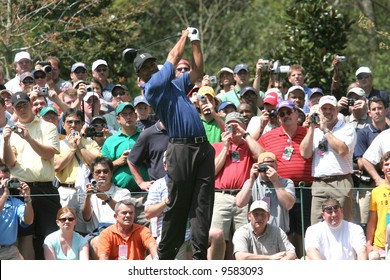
{"points": [[286, 104], [315, 90], [225, 104], [140, 99]]}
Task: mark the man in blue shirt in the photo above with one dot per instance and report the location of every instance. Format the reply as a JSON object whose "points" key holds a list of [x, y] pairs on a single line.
{"points": [[190, 156], [12, 213]]}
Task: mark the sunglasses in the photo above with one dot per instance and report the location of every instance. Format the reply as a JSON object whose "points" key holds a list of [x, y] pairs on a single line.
{"points": [[363, 76], [36, 77], [331, 209], [70, 122], [63, 220], [118, 92], [28, 82], [284, 113], [99, 125], [100, 70], [78, 71], [105, 171], [183, 68]]}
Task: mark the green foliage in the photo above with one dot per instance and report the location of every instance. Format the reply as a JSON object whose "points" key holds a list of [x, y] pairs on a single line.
{"points": [[313, 33]]}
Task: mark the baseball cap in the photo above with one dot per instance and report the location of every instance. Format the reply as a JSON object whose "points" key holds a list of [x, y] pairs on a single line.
{"points": [[89, 95], [184, 61], [223, 105], [240, 67], [48, 109], [357, 90], [122, 106], [26, 75], [119, 86], [291, 89], [78, 65], [140, 99], [37, 71], [234, 116], [140, 59], [363, 69], [247, 89], [98, 62], [259, 204], [98, 117], [271, 98], [265, 155], [206, 90], [315, 90], [285, 104], [194, 89], [5, 91], [328, 99], [225, 69], [18, 97], [22, 55]]}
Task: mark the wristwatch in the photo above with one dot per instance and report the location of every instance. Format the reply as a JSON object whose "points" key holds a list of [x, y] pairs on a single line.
{"points": [[327, 131], [108, 199], [245, 135]]}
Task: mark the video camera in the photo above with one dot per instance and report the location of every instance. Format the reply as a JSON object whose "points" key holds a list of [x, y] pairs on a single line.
{"points": [[278, 69], [91, 132], [46, 66]]}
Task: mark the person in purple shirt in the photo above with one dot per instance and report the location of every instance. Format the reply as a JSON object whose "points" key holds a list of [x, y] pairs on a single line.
{"points": [[189, 154]]}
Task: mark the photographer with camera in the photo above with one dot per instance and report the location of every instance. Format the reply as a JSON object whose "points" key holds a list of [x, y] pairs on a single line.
{"points": [[356, 103], [29, 152], [259, 125], [13, 212], [265, 184], [212, 122], [75, 151]]}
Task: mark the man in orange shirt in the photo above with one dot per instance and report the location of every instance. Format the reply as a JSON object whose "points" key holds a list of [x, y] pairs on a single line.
{"points": [[125, 240]]}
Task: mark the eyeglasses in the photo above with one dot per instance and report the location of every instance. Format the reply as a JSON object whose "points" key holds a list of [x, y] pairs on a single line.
{"points": [[331, 209], [182, 68], [81, 70], [76, 122], [63, 220], [28, 82], [282, 114], [105, 171], [118, 92], [363, 76], [100, 70], [127, 114], [36, 77]]}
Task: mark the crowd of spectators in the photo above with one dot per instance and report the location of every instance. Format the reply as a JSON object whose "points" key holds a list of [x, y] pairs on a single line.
{"points": [[191, 166]]}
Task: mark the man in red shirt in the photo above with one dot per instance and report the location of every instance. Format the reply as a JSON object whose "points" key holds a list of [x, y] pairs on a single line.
{"points": [[284, 142]]}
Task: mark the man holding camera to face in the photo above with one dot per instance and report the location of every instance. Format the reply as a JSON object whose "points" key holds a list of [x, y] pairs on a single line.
{"points": [[265, 184]]}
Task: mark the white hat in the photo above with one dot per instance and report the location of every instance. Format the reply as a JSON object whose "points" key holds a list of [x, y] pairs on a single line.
{"points": [[98, 62], [225, 69], [259, 204], [291, 89], [22, 55], [328, 99], [357, 90], [90, 94], [363, 70]]}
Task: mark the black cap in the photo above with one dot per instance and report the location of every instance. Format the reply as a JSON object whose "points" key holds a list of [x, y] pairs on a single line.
{"points": [[98, 118], [18, 97], [140, 59]]}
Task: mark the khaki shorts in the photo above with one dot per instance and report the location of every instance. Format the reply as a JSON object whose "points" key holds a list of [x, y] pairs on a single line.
{"points": [[227, 216]]}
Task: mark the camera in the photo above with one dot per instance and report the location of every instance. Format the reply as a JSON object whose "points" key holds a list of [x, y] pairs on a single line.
{"points": [[16, 129], [91, 132], [229, 128], [265, 62], [203, 99], [213, 79], [74, 133], [94, 183], [272, 113], [341, 58], [351, 101], [43, 91], [13, 183], [277, 68], [46, 66], [262, 167], [315, 118], [88, 88]]}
